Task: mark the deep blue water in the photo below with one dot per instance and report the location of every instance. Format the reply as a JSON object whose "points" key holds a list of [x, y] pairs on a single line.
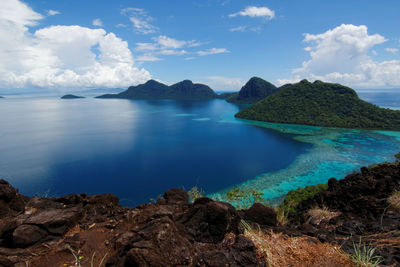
{"points": [[138, 149], [134, 149]]}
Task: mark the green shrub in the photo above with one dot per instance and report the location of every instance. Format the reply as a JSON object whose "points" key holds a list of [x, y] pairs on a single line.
{"points": [[195, 193], [243, 198], [294, 197]]}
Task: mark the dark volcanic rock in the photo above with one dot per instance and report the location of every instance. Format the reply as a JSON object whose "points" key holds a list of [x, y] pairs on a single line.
{"points": [[209, 221], [11, 202], [176, 233], [26, 235], [176, 196], [56, 221], [260, 214]]}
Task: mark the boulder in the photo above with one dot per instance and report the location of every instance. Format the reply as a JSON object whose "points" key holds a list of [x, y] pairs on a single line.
{"points": [[25, 235], [11, 202], [260, 214], [176, 196], [56, 221], [209, 221]]}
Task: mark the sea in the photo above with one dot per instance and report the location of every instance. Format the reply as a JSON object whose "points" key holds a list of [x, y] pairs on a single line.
{"points": [[137, 149]]}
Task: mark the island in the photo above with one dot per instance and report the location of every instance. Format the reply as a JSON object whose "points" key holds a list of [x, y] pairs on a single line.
{"points": [[1, 96], [69, 96], [155, 90], [321, 104], [253, 91]]}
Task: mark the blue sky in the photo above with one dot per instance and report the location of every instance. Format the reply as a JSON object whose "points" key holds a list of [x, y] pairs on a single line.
{"points": [[99, 44]]}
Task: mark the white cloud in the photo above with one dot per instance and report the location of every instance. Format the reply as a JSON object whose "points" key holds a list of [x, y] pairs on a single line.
{"points": [[61, 56], [238, 29], [164, 45], [53, 12], [146, 47], [97, 23], [392, 50], [168, 42], [212, 51], [342, 55], [221, 83], [170, 52], [147, 58], [253, 12], [140, 20]]}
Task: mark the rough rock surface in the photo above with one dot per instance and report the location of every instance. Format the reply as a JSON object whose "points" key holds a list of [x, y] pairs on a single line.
{"points": [[171, 232], [44, 231], [361, 211]]}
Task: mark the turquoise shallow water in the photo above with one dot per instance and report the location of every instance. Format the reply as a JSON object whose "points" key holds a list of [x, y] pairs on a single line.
{"points": [[335, 153], [138, 149]]}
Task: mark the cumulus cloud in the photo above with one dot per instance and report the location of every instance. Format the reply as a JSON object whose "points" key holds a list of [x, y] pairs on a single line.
{"points": [[61, 56], [212, 51], [97, 23], [253, 12], [342, 55], [53, 12], [141, 21]]}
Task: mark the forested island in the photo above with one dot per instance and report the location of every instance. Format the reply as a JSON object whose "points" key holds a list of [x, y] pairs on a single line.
{"points": [[69, 96], [253, 91], [155, 90], [321, 104]]}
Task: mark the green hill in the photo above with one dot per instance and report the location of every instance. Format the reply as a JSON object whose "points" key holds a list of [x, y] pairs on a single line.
{"points": [[321, 104], [253, 91], [156, 90]]}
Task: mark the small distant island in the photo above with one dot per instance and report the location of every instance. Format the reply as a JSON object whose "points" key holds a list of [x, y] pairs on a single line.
{"points": [[69, 96], [1, 96], [321, 104], [155, 90], [253, 91]]}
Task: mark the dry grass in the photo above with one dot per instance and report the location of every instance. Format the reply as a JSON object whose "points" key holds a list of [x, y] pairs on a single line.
{"points": [[394, 200], [280, 250], [318, 215]]}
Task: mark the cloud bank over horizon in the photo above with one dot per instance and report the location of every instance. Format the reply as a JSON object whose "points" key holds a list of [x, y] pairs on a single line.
{"points": [[61, 56], [342, 55]]}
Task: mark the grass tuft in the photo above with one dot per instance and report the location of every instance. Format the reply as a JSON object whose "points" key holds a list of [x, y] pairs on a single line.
{"points": [[278, 249], [318, 215], [394, 200], [364, 255]]}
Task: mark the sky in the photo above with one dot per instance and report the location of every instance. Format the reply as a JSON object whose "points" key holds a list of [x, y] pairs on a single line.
{"points": [[82, 45]]}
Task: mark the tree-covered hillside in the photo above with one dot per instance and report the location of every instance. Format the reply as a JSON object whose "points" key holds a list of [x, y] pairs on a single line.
{"points": [[156, 90], [321, 104], [253, 91]]}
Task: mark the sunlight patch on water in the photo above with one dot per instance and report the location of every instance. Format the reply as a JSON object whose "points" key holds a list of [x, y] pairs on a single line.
{"points": [[201, 119], [183, 115]]}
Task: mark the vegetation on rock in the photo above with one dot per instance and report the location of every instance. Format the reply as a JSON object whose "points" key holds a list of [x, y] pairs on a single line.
{"points": [[253, 91], [321, 104], [156, 90], [69, 96]]}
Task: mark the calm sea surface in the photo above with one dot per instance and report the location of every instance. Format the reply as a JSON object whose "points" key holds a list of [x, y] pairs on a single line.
{"points": [[137, 149]]}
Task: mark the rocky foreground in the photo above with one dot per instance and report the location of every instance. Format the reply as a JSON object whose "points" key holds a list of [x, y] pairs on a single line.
{"points": [[96, 230]]}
